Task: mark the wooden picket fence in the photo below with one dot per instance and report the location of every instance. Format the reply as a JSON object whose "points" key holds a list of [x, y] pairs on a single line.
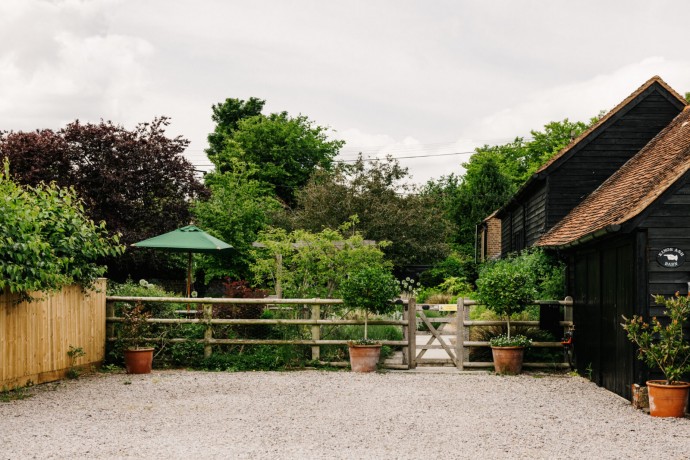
{"points": [[35, 336]]}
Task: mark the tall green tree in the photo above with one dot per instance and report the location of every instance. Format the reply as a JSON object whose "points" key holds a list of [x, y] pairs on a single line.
{"points": [[286, 150], [227, 115], [238, 209], [467, 201], [387, 207]]}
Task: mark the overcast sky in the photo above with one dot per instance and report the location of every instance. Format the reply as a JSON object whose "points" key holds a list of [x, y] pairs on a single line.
{"points": [[407, 78]]}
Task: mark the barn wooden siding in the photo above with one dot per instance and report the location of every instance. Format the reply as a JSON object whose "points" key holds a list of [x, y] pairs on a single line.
{"points": [[590, 162], [596, 161], [35, 336]]}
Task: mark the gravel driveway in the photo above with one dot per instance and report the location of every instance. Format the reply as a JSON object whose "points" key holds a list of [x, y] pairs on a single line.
{"points": [[314, 414]]}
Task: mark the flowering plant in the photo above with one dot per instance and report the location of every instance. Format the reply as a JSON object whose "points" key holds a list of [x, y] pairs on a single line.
{"points": [[662, 344], [504, 340], [409, 288]]}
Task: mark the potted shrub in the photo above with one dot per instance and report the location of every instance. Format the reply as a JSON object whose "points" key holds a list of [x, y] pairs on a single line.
{"points": [[372, 289], [663, 346], [506, 287], [134, 327]]}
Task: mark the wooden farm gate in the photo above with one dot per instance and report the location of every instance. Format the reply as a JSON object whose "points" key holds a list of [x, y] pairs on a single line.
{"points": [[455, 343]]}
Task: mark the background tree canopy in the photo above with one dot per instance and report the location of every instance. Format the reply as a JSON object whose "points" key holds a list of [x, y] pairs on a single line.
{"points": [[136, 181], [387, 208], [285, 150], [493, 174]]}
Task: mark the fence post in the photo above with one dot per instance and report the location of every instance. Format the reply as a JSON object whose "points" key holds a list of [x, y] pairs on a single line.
{"points": [[412, 333], [316, 332], [568, 310], [110, 326], [208, 334], [406, 334], [460, 335]]}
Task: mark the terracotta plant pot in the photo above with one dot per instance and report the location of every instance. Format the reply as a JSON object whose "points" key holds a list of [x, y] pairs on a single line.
{"points": [[364, 358], [508, 360], [667, 400], [139, 360]]}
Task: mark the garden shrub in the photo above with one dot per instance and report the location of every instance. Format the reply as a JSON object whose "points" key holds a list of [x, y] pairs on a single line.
{"points": [[46, 239], [313, 265], [455, 265], [372, 289]]}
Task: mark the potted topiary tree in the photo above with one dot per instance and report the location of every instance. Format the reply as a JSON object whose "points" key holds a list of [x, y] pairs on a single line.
{"points": [[134, 327], [506, 288], [372, 289], [663, 346]]}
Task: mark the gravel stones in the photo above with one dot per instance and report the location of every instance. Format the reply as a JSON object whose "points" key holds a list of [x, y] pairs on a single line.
{"points": [[315, 414]]}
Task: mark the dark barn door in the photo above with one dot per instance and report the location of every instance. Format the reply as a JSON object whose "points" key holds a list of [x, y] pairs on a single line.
{"points": [[617, 300], [586, 313]]}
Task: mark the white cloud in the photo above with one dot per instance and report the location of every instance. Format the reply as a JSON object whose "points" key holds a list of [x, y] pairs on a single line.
{"points": [[581, 100], [71, 67]]}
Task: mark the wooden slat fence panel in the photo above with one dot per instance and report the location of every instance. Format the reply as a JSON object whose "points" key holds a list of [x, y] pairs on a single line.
{"points": [[35, 336]]}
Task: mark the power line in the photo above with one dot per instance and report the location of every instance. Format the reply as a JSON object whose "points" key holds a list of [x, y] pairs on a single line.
{"points": [[407, 157]]}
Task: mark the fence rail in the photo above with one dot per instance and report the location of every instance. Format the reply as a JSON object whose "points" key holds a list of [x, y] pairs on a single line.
{"points": [[207, 319], [458, 352]]}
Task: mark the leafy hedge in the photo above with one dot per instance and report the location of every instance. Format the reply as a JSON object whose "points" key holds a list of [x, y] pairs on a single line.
{"points": [[46, 240]]}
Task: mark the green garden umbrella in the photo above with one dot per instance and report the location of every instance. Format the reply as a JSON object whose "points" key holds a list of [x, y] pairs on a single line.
{"points": [[187, 239]]}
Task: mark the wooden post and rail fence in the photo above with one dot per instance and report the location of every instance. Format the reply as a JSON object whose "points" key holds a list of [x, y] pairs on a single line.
{"points": [[457, 352]]}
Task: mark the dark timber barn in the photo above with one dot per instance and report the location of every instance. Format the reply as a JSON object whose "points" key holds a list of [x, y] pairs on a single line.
{"points": [[577, 170], [611, 202], [623, 243]]}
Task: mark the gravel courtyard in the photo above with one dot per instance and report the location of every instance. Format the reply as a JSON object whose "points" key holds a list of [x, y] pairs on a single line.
{"points": [[315, 414]]}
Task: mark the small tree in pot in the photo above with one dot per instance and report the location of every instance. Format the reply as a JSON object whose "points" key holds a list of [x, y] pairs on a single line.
{"points": [[373, 290], [135, 326], [663, 346], [506, 287]]}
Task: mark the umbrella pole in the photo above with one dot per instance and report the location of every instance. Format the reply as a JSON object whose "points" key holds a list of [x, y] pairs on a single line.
{"points": [[189, 278]]}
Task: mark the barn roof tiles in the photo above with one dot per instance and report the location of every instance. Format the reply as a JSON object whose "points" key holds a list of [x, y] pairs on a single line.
{"points": [[631, 189]]}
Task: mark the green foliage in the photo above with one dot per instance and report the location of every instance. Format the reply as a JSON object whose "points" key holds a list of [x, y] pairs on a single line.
{"points": [[372, 289], [493, 174], [506, 287], [46, 239], [14, 394], [483, 189], [143, 289], [137, 181], [227, 115], [287, 150], [548, 272], [256, 358], [387, 206], [237, 210], [74, 354], [663, 345], [456, 265], [507, 341], [305, 264]]}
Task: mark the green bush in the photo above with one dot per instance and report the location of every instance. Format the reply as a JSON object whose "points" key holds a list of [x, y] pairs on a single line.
{"points": [[453, 266], [46, 239], [506, 288], [372, 289]]}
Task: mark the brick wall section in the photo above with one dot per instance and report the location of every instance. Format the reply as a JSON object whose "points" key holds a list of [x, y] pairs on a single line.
{"points": [[491, 239]]}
